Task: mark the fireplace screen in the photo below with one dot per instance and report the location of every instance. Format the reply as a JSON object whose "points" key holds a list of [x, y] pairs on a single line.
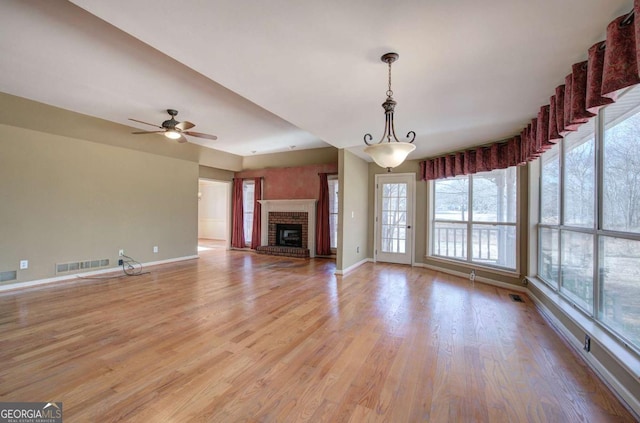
{"points": [[288, 235]]}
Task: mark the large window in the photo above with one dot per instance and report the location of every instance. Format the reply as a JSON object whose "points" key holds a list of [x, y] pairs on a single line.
{"points": [[248, 188], [474, 218], [333, 211], [589, 229]]}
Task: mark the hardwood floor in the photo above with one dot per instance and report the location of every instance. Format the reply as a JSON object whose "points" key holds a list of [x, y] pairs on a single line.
{"points": [[235, 336]]}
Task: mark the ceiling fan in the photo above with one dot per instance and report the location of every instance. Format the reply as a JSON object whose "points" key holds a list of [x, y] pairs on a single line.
{"points": [[173, 129]]}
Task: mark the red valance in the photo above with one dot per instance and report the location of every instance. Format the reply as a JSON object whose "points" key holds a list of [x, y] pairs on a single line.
{"points": [[612, 66]]}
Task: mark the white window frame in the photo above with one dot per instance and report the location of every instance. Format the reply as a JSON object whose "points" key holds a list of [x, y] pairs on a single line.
{"points": [[597, 231], [470, 222], [248, 232], [333, 180]]}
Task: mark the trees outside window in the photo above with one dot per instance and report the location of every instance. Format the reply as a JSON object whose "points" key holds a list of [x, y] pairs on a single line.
{"points": [[589, 228], [474, 218]]}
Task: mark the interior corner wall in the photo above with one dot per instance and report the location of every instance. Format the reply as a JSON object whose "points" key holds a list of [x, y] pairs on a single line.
{"points": [[66, 199], [353, 205], [213, 173]]}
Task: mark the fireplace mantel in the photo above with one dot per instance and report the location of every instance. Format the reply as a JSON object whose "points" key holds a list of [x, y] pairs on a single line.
{"points": [[308, 206]]}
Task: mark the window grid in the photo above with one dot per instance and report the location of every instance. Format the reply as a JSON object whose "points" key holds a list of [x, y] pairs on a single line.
{"points": [[598, 275], [481, 232], [394, 218]]}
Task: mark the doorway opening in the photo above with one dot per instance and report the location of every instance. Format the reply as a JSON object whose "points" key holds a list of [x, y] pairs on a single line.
{"points": [[214, 214]]}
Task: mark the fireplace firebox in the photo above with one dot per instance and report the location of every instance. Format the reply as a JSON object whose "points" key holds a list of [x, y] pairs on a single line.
{"points": [[289, 235]]}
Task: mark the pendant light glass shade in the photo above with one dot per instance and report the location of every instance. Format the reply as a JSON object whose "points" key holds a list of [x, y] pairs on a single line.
{"points": [[389, 154]]}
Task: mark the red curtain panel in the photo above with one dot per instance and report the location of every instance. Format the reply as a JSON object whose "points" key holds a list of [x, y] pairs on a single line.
{"points": [[323, 233], [237, 215]]}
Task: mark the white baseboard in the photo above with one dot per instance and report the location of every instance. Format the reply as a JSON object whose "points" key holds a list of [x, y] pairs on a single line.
{"points": [[76, 277], [353, 266], [614, 384], [487, 281]]}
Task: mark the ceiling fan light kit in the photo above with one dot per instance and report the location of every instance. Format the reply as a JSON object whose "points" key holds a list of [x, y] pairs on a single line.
{"points": [[173, 129], [174, 135], [393, 152]]}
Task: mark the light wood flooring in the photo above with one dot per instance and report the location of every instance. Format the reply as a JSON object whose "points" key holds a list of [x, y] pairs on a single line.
{"points": [[235, 336]]}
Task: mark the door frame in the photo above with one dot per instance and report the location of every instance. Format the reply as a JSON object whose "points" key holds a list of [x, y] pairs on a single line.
{"points": [[411, 188]]}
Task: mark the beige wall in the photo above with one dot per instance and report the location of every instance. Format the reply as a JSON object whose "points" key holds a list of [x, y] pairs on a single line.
{"points": [[28, 114], [353, 217], [66, 199], [214, 174], [291, 158]]}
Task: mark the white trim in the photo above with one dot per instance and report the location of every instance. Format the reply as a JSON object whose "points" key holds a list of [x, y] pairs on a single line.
{"points": [[308, 206], [474, 265], [618, 389], [353, 266], [74, 277], [623, 356], [477, 279]]}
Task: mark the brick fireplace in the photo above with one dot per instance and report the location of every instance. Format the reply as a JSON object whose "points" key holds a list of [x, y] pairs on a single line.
{"points": [[288, 214]]}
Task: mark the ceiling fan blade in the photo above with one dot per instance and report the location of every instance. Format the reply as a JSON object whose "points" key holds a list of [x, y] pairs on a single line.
{"points": [[146, 123], [200, 135], [184, 125], [182, 139], [148, 132]]}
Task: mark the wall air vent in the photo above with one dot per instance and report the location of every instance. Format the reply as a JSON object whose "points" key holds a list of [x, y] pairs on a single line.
{"points": [[83, 265], [10, 275]]}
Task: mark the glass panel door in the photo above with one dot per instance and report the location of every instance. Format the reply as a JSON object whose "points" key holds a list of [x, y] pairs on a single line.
{"points": [[394, 232]]}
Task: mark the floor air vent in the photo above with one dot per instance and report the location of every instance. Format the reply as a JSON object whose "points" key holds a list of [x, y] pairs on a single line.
{"points": [[76, 266], [11, 275], [517, 298]]}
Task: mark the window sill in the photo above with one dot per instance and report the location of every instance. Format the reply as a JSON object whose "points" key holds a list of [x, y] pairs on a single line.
{"points": [[618, 350], [476, 266]]}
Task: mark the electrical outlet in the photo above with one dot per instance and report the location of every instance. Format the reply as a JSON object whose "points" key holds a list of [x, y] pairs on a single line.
{"points": [[121, 253], [357, 249], [120, 262], [587, 343], [24, 264], [472, 275], [155, 248]]}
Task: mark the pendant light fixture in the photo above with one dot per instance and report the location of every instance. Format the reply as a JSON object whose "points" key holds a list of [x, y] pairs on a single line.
{"points": [[393, 152]]}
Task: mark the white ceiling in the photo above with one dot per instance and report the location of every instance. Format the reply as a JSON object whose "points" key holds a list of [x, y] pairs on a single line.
{"points": [[265, 76]]}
